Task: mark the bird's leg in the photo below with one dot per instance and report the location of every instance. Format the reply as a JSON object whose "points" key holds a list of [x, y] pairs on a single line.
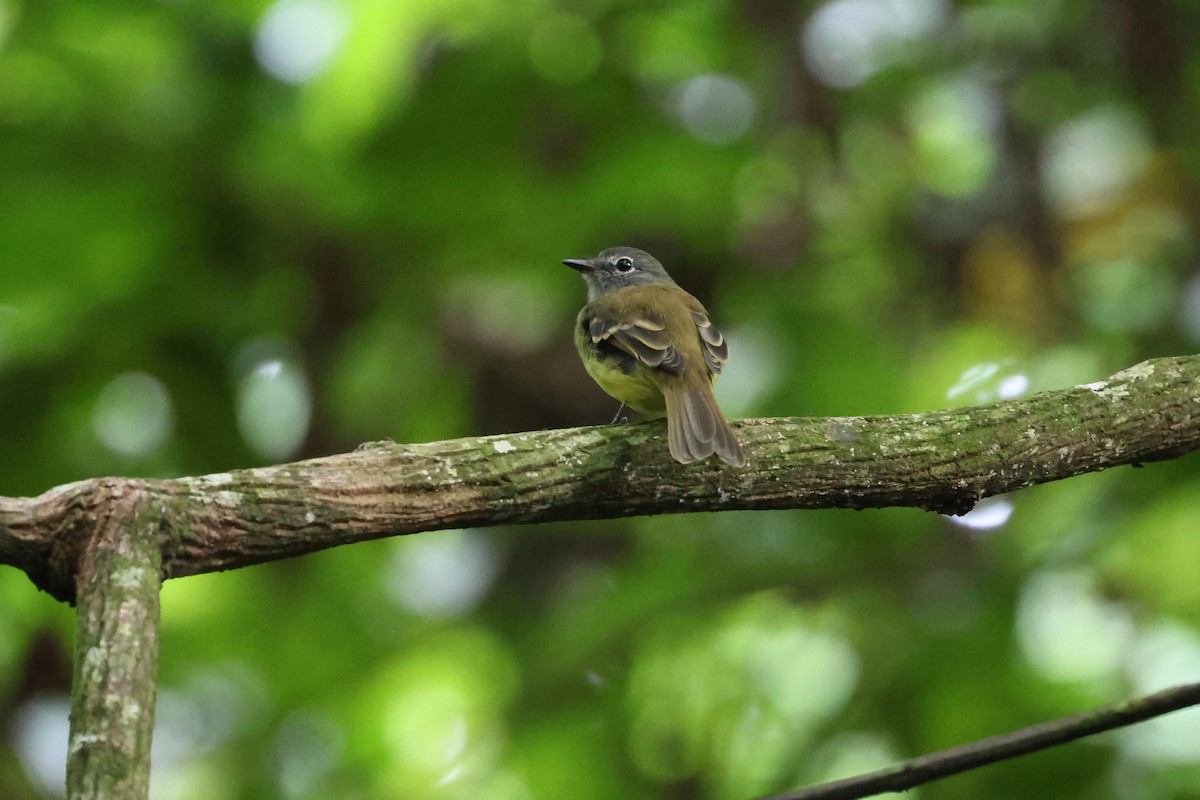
{"points": [[618, 417]]}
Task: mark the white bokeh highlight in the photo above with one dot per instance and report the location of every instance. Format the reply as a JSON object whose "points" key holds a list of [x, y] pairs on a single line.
{"points": [[274, 407], [845, 42], [1067, 631], [298, 39], [441, 575], [1089, 163], [1164, 656], [133, 414], [988, 514], [716, 109], [39, 732]]}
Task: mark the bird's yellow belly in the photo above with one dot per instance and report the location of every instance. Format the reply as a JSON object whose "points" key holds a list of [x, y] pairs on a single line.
{"points": [[636, 390]]}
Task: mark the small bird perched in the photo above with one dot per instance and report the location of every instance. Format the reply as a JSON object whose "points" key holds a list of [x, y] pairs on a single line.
{"points": [[650, 344]]}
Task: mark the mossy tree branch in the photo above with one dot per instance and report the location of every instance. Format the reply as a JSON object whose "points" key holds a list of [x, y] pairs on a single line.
{"points": [[942, 461], [107, 543], [119, 576]]}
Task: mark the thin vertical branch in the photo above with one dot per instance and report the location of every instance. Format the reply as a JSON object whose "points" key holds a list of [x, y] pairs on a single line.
{"points": [[116, 651]]}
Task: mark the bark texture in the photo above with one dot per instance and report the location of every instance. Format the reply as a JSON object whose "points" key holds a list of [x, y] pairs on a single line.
{"points": [[116, 648], [943, 461], [106, 544]]}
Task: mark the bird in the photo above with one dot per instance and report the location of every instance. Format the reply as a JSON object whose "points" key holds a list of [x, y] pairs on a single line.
{"points": [[651, 345]]}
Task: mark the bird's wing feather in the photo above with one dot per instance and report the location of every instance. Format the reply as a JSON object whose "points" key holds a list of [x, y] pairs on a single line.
{"points": [[644, 337], [716, 351]]}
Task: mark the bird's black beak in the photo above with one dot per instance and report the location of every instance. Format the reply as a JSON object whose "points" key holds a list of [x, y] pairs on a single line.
{"points": [[581, 264]]}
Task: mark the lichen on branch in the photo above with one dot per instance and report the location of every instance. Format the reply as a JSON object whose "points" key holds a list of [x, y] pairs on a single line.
{"points": [[943, 461]]}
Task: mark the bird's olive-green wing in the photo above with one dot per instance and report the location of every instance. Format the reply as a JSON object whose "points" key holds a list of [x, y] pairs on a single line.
{"points": [[644, 337], [716, 351]]}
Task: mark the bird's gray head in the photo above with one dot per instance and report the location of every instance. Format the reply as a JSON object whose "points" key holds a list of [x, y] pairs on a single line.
{"points": [[618, 267]]}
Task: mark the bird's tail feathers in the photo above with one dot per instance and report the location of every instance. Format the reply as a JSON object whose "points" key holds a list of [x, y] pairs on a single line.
{"points": [[696, 428]]}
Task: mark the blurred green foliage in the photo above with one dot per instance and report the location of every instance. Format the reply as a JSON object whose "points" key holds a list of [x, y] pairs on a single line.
{"points": [[242, 233]]}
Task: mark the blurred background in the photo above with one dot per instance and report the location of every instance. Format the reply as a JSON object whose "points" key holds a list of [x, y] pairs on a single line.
{"points": [[242, 233]]}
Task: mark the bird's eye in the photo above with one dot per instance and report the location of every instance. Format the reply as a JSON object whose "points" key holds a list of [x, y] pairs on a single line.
{"points": [[624, 265]]}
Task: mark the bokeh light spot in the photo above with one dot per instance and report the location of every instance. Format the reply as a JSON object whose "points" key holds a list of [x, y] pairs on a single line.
{"points": [[440, 711], [1088, 163], [748, 377], [274, 406], [39, 731], [1067, 631], [133, 414], [428, 729], [716, 108], [853, 753], [845, 42], [1012, 386], [513, 314], [442, 574], [988, 514], [307, 747], [298, 39], [1165, 656], [732, 699], [988, 382], [951, 125], [211, 707], [972, 378]]}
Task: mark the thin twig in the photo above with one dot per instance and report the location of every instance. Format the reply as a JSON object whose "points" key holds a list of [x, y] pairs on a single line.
{"points": [[930, 767]]}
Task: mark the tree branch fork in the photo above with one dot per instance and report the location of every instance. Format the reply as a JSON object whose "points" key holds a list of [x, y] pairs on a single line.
{"points": [[942, 461], [107, 543]]}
